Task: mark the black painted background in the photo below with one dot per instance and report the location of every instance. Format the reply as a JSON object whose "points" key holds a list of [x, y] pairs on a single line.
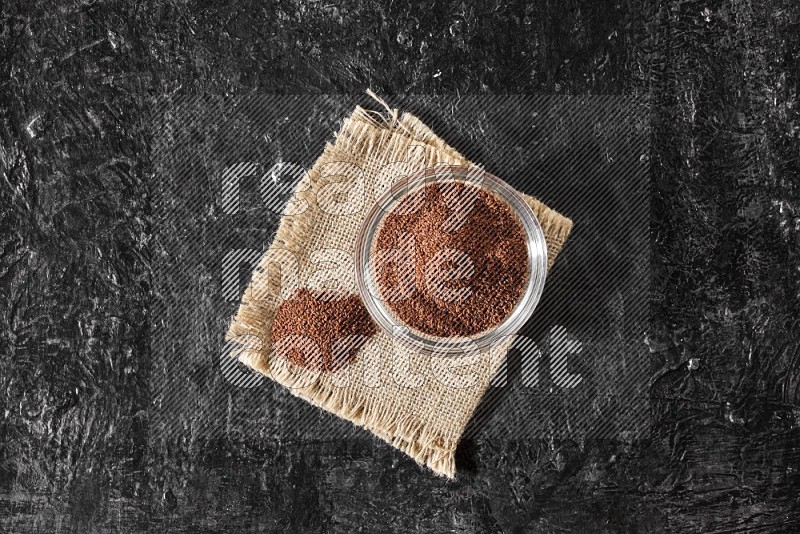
{"points": [[76, 83]]}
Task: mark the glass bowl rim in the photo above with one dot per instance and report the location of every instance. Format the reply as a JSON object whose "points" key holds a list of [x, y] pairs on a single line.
{"points": [[536, 272]]}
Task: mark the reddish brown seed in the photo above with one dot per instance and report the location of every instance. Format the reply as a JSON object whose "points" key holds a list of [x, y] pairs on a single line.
{"points": [[451, 260], [321, 330]]}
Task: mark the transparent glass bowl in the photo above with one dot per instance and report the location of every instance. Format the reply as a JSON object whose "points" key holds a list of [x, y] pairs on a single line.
{"points": [[407, 334]]}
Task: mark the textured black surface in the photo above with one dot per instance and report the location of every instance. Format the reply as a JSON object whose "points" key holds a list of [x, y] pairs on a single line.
{"points": [[77, 81]]}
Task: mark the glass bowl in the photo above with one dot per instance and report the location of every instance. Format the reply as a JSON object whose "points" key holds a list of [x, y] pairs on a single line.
{"points": [[407, 334]]}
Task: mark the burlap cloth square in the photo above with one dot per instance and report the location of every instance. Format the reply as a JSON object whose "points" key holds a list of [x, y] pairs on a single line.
{"points": [[418, 403]]}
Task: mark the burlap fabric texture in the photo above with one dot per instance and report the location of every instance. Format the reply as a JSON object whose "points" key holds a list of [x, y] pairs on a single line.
{"points": [[418, 403]]}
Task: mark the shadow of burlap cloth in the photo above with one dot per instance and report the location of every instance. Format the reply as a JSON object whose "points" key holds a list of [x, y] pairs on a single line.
{"points": [[419, 404]]}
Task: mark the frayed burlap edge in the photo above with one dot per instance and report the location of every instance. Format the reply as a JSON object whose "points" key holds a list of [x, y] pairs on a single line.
{"points": [[362, 134]]}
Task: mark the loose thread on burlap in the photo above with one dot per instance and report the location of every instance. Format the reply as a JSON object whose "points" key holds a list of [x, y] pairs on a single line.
{"points": [[393, 113]]}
